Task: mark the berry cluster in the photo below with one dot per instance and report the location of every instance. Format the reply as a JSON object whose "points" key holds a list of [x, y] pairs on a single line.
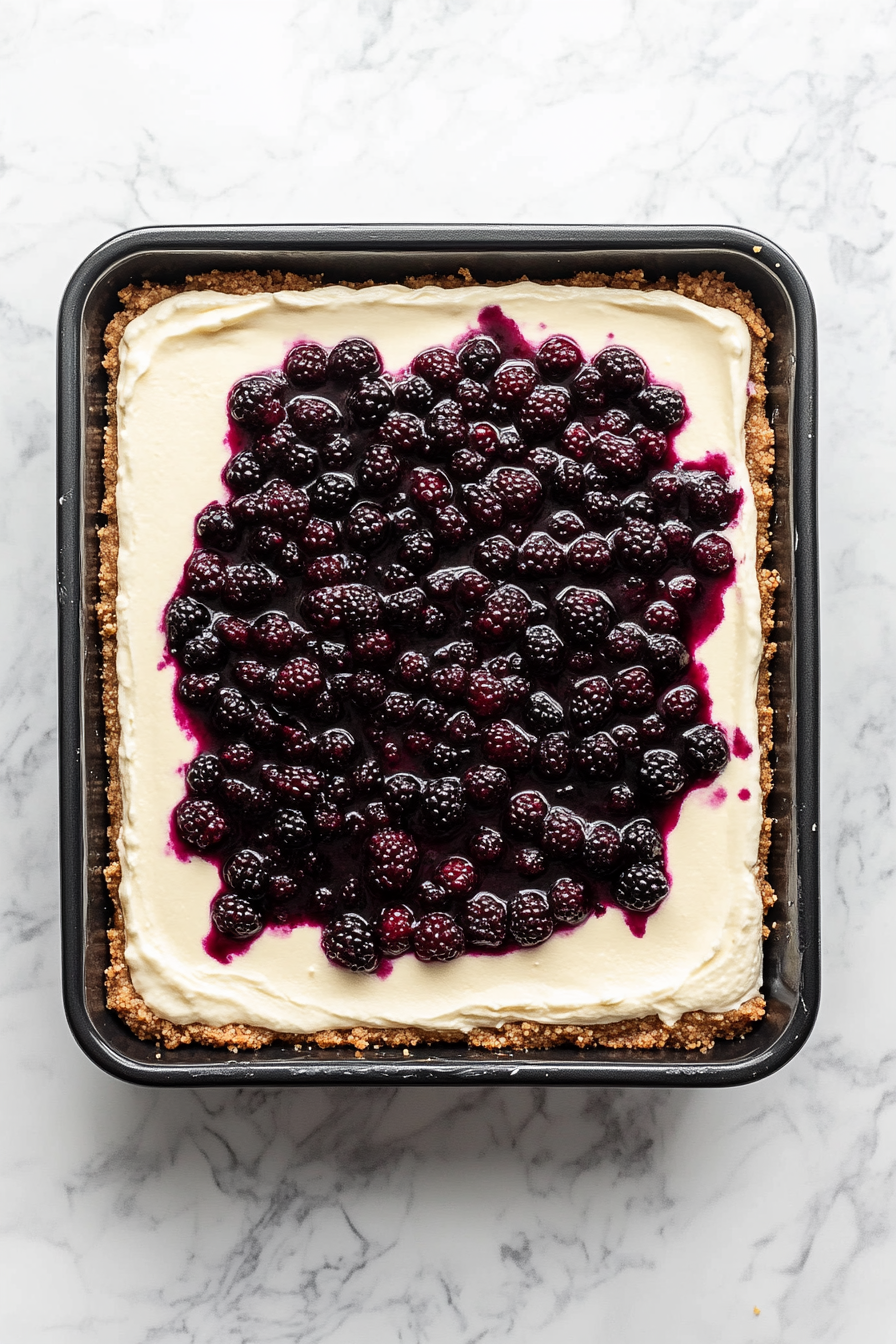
{"points": [[436, 645]]}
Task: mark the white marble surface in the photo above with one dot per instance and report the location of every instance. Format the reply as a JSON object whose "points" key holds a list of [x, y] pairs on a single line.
{"points": [[453, 1215]]}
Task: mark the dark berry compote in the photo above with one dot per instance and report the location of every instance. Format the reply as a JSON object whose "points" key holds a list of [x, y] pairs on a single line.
{"points": [[437, 646]]}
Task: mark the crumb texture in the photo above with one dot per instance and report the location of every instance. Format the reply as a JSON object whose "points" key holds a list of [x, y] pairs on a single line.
{"points": [[695, 1030]]}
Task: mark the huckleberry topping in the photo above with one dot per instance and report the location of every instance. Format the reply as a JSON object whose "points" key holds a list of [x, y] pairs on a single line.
{"points": [[195, 688], [680, 704], [306, 365], [244, 472], [597, 756], [634, 689], [349, 942], [661, 617], [625, 642], [667, 655], [438, 937], [639, 505], [438, 366], [526, 814], [603, 848], [553, 756], [620, 369], [661, 407], [661, 773], [565, 525], [642, 841], [613, 421], [443, 807], [217, 528], [558, 357], [314, 417], [588, 389], [653, 728], [513, 382], [652, 442], [620, 800], [205, 573], [529, 918], [204, 774], [584, 615], [705, 749], [485, 920], [236, 917], [395, 930], [204, 653], [641, 887], [530, 862], [640, 546], [354, 358], [627, 738], [544, 412], [446, 428], [415, 396], [603, 509], [479, 356], [200, 823], [562, 834], [486, 845], [423, 625], [254, 403], [370, 403], [540, 556], [543, 649], [543, 712], [589, 554], [185, 618], [336, 452], [712, 554], [590, 704], [472, 396], [566, 899]]}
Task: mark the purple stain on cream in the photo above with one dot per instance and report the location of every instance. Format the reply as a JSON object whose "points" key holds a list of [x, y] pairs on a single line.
{"points": [[740, 747], [744, 795]]}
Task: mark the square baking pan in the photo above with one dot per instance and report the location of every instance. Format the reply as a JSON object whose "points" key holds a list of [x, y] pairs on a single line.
{"points": [[388, 253]]}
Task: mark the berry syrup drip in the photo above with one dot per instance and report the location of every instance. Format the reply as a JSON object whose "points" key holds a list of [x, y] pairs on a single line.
{"points": [[437, 647]]}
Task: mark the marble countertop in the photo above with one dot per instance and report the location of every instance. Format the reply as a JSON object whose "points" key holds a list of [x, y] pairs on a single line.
{"points": [[761, 1214]]}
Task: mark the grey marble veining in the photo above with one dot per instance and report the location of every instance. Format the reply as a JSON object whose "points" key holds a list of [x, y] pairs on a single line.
{"points": [[432, 1215]]}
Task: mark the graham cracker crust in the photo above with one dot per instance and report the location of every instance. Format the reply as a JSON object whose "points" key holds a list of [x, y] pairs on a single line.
{"points": [[694, 1030]]}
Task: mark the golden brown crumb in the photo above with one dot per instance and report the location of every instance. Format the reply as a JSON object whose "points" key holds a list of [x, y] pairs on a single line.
{"points": [[693, 1031]]}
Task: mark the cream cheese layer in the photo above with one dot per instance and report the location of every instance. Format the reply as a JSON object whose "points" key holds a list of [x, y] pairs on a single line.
{"points": [[701, 949]]}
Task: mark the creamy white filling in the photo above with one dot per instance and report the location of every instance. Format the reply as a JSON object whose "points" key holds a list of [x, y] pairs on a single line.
{"points": [[701, 950]]}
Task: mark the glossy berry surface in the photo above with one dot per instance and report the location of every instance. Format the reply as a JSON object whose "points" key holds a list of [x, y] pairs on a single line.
{"points": [[440, 635]]}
